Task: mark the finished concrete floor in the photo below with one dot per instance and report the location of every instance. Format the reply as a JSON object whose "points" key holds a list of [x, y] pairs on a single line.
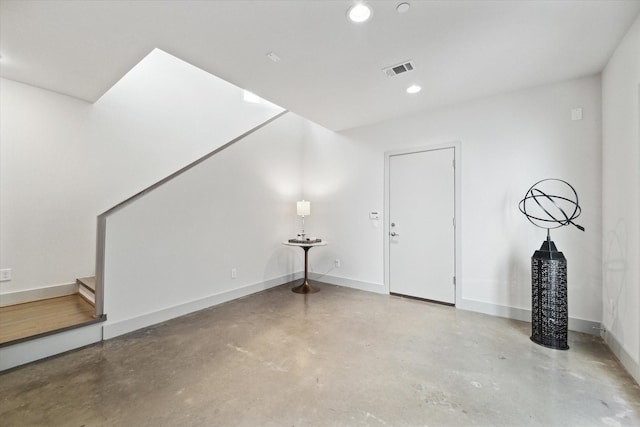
{"points": [[340, 357]]}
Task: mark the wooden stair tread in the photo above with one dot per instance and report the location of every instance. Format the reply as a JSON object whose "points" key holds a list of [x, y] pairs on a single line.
{"points": [[87, 282], [30, 320]]}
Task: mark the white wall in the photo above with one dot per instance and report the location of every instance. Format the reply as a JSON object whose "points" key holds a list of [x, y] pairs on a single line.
{"points": [[64, 161], [171, 252], [508, 142], [621, 200], [47, 211]]}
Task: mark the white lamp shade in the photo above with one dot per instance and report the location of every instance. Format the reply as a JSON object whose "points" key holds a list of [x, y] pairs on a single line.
{"points": [[304, 208]]}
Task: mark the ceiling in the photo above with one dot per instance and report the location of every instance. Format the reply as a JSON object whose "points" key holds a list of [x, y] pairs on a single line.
{"points": [[329, 69]]}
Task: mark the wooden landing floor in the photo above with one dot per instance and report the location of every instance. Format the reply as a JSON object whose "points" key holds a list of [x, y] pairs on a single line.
{"points": [[21, 322]]}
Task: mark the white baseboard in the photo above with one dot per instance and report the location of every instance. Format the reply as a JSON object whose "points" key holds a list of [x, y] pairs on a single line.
{"points": [[49, 345], [28, 295], [578, 325], [112, 329], [632, 366], [349, 283]]}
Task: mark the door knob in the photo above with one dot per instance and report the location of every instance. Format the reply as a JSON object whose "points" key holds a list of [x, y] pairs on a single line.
{"points": [[393, 234]]}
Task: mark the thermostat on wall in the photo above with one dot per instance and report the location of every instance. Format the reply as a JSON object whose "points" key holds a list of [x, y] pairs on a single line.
{"points": [[374, 215]]}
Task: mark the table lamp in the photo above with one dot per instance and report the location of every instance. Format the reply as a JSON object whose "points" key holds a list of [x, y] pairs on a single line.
{"points": [[303, 209]]}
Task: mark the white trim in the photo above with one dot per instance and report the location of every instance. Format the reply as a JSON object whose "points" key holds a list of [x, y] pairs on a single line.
{"points": [[49, 345], [457, 156], [29, 295], [631, 365], [112, 329], [582, 325], [378, 288], [578, 325]]}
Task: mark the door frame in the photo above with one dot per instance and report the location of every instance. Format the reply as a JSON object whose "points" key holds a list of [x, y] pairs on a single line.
{"points": [[457, 177]]}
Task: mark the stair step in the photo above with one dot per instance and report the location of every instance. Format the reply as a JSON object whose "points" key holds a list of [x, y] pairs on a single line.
{"points": [[88, 282], [35, 319], [87, 289]]}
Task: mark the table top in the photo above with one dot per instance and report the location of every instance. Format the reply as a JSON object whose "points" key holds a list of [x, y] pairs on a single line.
{"points": [[303, 245]]}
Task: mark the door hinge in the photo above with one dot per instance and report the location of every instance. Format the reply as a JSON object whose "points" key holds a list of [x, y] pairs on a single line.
{"points": [[454, 280], [454, 221], [454, 163]]}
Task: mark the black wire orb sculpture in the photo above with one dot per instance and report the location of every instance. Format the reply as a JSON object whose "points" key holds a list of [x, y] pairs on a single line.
{"points": [[547, 210], [550, 203]]}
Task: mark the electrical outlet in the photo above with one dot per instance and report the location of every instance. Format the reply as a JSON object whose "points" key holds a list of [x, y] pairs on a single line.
{"points": [[576, 114], [337, 263], [234, 273], [5, 275]]}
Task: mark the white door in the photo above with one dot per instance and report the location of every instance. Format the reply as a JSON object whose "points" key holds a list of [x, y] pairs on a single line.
{"points": [[421, 225]]}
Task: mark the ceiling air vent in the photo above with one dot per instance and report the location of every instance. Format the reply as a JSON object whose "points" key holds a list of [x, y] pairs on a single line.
{"points": [[394, 70]]}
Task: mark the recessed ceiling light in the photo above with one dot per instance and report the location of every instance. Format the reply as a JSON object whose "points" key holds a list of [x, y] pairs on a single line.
{"points": [[402, 7], [414, 89], [359, 12]]}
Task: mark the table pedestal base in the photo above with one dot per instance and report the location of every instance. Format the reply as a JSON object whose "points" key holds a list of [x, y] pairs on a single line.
{"points": [[305, 288]]}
